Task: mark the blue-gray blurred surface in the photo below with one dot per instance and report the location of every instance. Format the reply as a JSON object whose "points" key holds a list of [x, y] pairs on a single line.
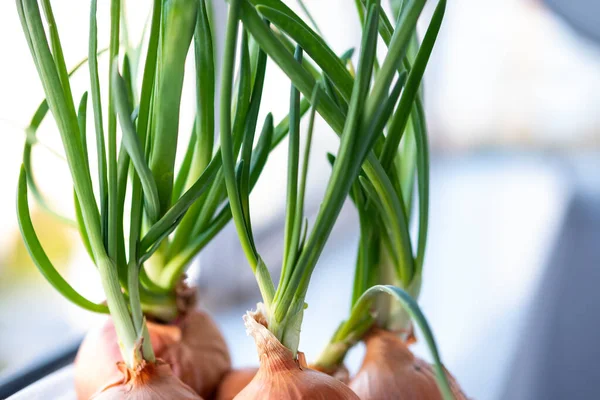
{"points": [[582, 15], [558, 354]]}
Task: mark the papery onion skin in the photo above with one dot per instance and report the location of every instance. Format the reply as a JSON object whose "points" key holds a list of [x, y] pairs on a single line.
{"points": [[237, 379], [193, 346], [233, 383], [390, 371], [148, 382], [280, 377]]}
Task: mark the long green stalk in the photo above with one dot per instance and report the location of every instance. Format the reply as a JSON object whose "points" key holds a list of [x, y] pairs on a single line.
{"points": [[286, 306], [113, 204], [347, 166], [226, 131], [98, 121], [396, 170], [205, 89], [69, 130], [178, 22]]}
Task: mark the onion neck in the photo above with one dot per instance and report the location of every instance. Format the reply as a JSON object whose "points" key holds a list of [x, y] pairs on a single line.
{"points": [[162, 309], [273, 355], [168, 307], [128, 340], [287, 332]]}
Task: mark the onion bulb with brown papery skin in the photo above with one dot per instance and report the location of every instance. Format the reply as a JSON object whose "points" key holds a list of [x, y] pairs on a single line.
{"points": [[237, 379], [149, 381], [234, 381], [192, 345], [390, 371], [281, 377]]}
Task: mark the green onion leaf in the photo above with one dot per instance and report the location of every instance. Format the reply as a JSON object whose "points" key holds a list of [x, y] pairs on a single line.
{"points": [[283, 128], [296, 239], [57, 53], [299, 76], [290, 249], [205, 87], [177, 264], [81, 226], [176, 212], [146, 96], [98, 122], [310, 42], [412, 87], [265, 283], [81, 122], [310, 17], [227, 148], [288, 303], [184, 169], [250, 128], [133, 145], [398, 46], [423, 185], [179, 22], [39, 256]]}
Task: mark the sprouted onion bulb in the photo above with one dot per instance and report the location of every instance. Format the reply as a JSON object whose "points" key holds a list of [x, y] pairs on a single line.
{"points": [[390, 371], [280, 376], [150, 381], [193, 347]]}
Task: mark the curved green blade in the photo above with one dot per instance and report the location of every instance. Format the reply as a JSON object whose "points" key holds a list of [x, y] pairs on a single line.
{"points": [[412, 308], [40, 257], [134, 147]]}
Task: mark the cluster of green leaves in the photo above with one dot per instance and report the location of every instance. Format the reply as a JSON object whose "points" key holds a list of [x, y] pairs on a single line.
{"points": [[385, 242], [172, 214], [375, 165], [385, 252]]}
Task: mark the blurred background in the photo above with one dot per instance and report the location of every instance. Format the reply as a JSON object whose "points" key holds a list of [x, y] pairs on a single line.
{"points": [[512, 95]]}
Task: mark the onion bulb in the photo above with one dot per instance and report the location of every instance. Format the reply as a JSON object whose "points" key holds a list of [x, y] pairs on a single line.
{"points": [[280, 376], [390, 371], [237, 379], [234, 381], [147, 382], [192, 346]]}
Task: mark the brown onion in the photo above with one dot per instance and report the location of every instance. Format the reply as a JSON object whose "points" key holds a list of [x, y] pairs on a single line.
{"points": [[390, 371], [148, 382], [237, 379], [193, 346], [281, 377], [234, 381]]}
